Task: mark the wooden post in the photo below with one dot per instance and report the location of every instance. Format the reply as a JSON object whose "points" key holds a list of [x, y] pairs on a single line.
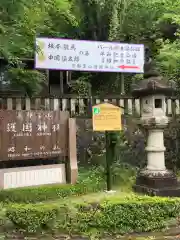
{"points": [[122, 84], [49, 88], [71, 165], [61, 83], [108, 162]]}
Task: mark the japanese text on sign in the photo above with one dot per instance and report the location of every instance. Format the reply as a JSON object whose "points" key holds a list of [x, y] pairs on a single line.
{"points": [[89, 55], [106, 117], [33, 134]]}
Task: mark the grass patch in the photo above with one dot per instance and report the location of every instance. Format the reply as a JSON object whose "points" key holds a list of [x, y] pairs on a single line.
{"points": [[90, 181]]}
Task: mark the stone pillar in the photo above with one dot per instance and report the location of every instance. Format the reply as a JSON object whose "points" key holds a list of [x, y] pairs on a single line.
{"points": [[155, 179], [155, 150]]}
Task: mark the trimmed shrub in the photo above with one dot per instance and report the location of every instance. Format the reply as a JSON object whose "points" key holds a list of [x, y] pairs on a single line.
{"points": [[113, 215], [44, 193], [89, 181], [32, 218]]}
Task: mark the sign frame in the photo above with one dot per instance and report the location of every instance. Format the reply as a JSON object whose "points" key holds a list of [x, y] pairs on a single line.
{"points": [[122, 67], [33, 134]]}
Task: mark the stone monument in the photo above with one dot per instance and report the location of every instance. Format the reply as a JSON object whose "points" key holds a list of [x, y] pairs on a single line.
{"points": [[155, 179]]}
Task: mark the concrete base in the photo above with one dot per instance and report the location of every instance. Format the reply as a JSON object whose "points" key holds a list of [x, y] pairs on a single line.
{"points": [[163, 192], [163, 184]]}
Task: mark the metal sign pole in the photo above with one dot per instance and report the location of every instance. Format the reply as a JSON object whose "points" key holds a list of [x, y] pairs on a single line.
{"points": [[109, 157]]}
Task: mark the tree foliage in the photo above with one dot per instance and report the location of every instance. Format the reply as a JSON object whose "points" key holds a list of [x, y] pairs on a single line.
{"points": [[154, 23], [22, 21], [168, 58]]}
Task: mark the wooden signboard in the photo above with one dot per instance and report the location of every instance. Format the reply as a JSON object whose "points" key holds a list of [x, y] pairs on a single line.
{"points": [[33, 134], [106, 117]]}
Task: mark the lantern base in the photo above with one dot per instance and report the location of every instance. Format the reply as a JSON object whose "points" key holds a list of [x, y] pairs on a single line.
{"points": [[157, 184]]}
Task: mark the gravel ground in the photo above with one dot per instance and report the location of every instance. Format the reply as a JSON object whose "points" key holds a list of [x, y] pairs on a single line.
{"points": [[171, 234]]}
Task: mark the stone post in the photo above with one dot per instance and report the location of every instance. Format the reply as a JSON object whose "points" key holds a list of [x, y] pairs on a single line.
{"points": [[155, 150], [155, 179]]}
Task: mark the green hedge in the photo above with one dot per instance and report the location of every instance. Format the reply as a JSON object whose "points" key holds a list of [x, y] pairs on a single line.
{"points": [[32, 218], [136, 214], [44, 193], [88, 181]]}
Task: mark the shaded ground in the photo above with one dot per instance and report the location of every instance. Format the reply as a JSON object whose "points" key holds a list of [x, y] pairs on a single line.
{"points": [[170, 234], [49, 237]]}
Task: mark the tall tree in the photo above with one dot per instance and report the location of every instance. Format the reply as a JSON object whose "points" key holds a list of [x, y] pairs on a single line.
{"points": [[20, 22], [168, 58]]}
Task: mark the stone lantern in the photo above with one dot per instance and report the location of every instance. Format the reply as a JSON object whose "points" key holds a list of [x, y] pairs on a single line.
{"points": [[155, 179]]}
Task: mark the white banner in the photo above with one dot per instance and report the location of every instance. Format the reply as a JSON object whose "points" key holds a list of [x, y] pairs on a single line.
{"points": [[79, 55]]}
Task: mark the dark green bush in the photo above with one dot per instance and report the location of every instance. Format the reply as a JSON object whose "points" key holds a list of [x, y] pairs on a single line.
{"points": [[113, 215], [44, 193], [89, 181], [32, 218]]}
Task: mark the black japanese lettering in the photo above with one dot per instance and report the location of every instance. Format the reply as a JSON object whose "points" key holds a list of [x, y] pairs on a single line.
{"points": [[128, 61], [76, 59], [95, 66], [128, 55], [57, 58], [103, 60], [102, 54], [66, 47], [134, 55], [137, 49], [84, 65], [109, 54], [115, 61], [50, 45], [58, 46], [121, 55], [115, 56], [79, 65], [64, 59], [109, 47], [70, 59], [109, 60], [50, 57], [73, 47], [86, 53]]}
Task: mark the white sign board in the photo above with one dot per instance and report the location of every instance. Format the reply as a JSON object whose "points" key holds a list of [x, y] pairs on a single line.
{"points": [[79, 55], [32, 176]]}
